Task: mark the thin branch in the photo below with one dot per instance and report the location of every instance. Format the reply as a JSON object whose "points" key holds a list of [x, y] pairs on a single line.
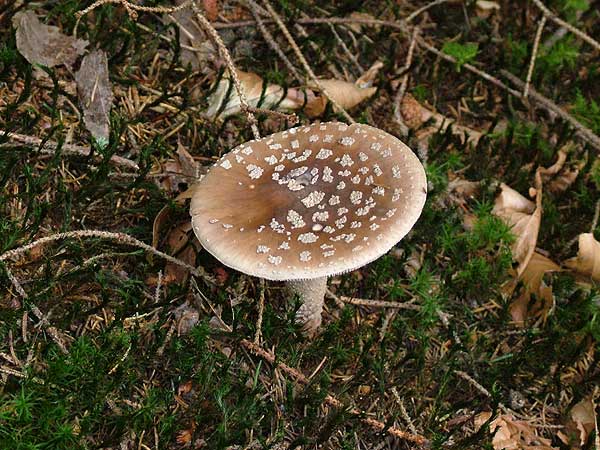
{"points": [[486, 76], [52, 331], [303, 61], [224, 53], [421, 10], [116, 237], [581, 130], [329, 399], [131, 9], [404, 83], [261, 310], [576, 31], [403, 411], [269, 39], [50, 148], [534, 52], [373, 303]]}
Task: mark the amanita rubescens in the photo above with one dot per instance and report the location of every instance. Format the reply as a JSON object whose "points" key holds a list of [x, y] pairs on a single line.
{"points": [[308, 203]]}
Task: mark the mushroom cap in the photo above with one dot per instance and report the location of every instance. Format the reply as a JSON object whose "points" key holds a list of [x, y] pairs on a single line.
{"points": [[312, 201]]}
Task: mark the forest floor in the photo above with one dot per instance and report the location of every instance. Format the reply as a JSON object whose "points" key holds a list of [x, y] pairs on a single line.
{"points": [[110, 339]]}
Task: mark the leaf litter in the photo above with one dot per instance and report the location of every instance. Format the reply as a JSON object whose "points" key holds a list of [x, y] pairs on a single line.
{"points": [[45, 44], [95, 95]]}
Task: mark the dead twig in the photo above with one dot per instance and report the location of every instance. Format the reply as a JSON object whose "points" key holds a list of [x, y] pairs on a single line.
{"points": [[581, 130], [271, 41], [224, 53], [303, 61], [329, 399], [50, 147], [534, 52], [52, 331], [421, 10], [576, 31], [121, 238], [404, 83], [373, 303]]}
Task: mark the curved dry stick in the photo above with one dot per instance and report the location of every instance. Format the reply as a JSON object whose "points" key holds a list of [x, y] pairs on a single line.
{"points": [[330, 399], [117, 237], [50, 147]]}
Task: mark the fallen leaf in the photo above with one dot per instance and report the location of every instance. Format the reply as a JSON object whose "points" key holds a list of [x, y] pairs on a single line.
{"points": [[196, 48], [560, 176], [367, 78], [415, 115], [44, 44], [524, 217], [587, 261], [580, 424], [459, 190], [95, 95], [511, 434], [481, 418], [485, 8], [345, 93], [189, 166], [174, 273], [522, 308], [178, 237], [180, 172], [211, 7], [187, 317], [184, 437], [252, 86]]}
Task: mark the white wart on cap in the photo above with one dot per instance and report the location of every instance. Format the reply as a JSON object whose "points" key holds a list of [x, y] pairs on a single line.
{"points": [[309, 202]]}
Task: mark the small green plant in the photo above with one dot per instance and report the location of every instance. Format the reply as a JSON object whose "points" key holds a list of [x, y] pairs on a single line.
{"points": [[463, 53], [516, 53], [561, 55], [587, 112]]}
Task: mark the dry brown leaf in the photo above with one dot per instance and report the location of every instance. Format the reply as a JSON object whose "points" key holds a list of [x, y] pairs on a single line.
{"points": [[485, 8], [587, 261], [196, 49], [532, 277], [252, 85], [524, 217], [174, 273], [44, 44], [345, 93], [414, 115], [185, 170], [186, 317], [559, 177], [367, 78], [189, 166], [95, 95], [481, 418], [460, 190], [511, 434], [211, 7], [580, 424], [178, 237]]}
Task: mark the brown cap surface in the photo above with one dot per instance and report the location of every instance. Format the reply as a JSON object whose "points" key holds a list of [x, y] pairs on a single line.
{"points": [[309, 202]]}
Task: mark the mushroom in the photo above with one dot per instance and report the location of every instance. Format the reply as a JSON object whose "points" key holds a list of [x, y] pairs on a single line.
{"points": [[308, 203]]}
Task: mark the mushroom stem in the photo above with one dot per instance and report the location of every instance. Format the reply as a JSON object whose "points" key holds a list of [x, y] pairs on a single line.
{"points": [[312, 295]]}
